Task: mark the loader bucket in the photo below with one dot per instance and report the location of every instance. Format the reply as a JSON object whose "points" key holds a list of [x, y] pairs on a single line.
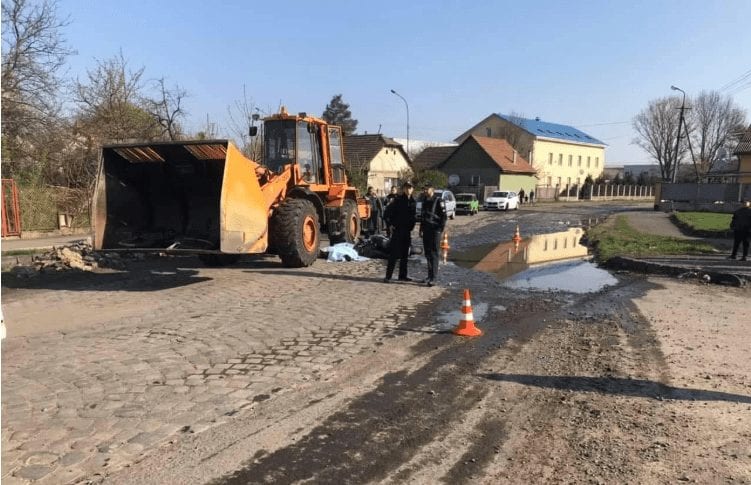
{"points": [[195, 197]]}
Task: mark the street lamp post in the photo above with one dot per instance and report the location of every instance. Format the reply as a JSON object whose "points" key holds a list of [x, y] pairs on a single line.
{"points": [[680, 125], [407, 105]]}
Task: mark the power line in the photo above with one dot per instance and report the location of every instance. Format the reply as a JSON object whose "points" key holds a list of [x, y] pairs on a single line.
{"points": [[605, 124], [739, 79]]}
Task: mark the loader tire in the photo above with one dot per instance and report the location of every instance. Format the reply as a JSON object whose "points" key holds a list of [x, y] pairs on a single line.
{"points": [[217, 260], [351, 223], [296, 233]]}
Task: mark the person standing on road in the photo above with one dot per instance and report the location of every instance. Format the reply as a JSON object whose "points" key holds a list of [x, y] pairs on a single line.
{"points": [[400, 218], [521, 196], [432, 224], [375, 223], [741, 226], [386, 202], [531, 196]]}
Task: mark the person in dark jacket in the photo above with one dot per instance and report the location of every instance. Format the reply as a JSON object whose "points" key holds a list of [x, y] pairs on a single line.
{"points": [[400, 218], [386, 202], [376, 212], [432, 223], [741, 226]]}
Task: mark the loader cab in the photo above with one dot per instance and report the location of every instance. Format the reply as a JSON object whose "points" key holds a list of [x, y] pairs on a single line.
{"points": [[314, 146]]}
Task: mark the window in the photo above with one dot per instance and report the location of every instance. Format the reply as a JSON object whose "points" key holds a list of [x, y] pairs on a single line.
{"points": [[487, 131], [335, 151], [280, 144], [307, 159], [580, 160], [550, 159], [560, 159], [474, 180], [597, 161], [570, 160], [589, 162]]}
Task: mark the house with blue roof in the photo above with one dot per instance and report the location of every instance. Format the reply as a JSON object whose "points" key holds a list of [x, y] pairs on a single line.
{"points": [[563, 156]]}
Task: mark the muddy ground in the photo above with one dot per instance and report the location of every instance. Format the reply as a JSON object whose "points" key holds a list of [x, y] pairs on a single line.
{"points": [[646, 382]]}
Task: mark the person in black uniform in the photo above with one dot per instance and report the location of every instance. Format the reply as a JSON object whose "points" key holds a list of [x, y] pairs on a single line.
{"points": [[432, 224], [400, 218], [741, 226]]}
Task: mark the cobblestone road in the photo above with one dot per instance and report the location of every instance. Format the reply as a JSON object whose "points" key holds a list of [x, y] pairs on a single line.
{"points": [[99, 369], [87, 399]]}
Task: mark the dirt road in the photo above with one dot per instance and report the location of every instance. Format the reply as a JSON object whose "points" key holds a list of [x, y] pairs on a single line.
{"points": [[647, 382], [256, 374]]}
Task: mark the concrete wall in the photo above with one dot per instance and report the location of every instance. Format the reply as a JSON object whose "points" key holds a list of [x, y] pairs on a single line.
{"points": [[701, 197], [386, 165], [514, 182]]}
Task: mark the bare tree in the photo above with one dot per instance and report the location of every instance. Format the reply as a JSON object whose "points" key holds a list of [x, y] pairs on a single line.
{"points": [[657, 129], [34, 52], [515, 135], [110, 104], [243, 115], [715, 123], [166, 108]]}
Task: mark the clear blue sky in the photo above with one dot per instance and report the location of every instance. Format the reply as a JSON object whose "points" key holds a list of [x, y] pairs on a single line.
{"points": [[591, 64]]}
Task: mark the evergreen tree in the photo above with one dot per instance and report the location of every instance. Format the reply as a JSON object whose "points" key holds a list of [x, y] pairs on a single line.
{"points": [[337, 113]]}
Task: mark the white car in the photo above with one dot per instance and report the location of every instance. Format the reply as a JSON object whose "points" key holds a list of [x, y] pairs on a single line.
{"points": [[501, 200], [448, 199]]}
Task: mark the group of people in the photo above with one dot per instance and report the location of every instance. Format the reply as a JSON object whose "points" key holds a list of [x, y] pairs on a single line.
{"points": [[399, 214], [525, 198]]}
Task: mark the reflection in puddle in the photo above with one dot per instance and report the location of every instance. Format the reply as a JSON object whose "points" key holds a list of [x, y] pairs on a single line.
{"points": [[515, 258], [573, 276]]}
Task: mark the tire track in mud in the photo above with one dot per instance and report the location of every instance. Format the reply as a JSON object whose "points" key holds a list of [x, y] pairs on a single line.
{"points": [[383, 429]]}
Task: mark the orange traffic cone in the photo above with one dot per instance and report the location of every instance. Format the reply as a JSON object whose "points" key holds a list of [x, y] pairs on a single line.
{"points": [[466, 327], [517, 237], [445, 246]]}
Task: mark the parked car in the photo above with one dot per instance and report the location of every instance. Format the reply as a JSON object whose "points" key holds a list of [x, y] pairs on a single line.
{"points": [[502, 200], [467, 204], [448, 199]]}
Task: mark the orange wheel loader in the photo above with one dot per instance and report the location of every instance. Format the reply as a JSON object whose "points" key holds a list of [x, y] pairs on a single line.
{"points": [[207, 198]]}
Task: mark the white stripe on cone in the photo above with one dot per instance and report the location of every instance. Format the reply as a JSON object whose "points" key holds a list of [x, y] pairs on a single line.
{"points": [[468, 317]]}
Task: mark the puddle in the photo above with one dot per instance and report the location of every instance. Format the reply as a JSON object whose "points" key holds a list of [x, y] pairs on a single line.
{"points": [[518, 264], [449, 320], [572, 276]]}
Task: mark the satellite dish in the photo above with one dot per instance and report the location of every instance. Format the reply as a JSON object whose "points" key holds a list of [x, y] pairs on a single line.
{"points": [[454, 180]]}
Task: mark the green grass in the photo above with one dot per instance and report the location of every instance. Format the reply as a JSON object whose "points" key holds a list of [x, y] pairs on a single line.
{"points": [[705, 221], [620, 239]]}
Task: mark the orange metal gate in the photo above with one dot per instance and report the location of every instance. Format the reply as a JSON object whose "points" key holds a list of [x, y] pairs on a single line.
{"points": [[11, 209]]}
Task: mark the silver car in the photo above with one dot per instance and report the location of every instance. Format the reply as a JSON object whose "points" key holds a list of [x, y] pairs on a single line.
{"points": [[448, 199]]}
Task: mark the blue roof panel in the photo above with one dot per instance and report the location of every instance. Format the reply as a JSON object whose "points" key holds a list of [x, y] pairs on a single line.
{"points": [[552, 130]]}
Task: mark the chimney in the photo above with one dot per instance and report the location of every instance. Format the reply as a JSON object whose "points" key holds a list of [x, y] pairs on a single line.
{"points": [[514, 156], [537, 118]]}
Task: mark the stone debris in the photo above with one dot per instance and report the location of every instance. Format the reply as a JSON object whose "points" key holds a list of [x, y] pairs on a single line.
{"points": [[77, 256]]}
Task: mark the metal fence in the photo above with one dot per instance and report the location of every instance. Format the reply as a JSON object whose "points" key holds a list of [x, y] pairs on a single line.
{"points": [[595, 192], [51, 208], [701, 197], [11, 209]]}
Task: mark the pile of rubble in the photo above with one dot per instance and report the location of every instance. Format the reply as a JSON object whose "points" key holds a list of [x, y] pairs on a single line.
{"points": [[77, 256]]}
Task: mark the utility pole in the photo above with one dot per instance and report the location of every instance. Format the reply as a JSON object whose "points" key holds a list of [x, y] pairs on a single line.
{"points": [[678, 137]]}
